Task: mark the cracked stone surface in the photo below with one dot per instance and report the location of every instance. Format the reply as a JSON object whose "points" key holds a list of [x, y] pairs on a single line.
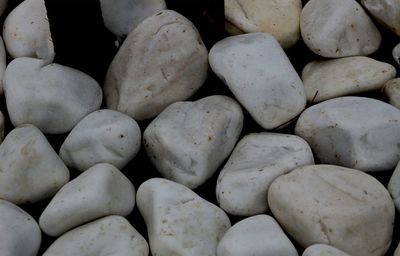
{"points": [[179, 222], [258, 72], [163, 60], [333, 205], [339, 28]]}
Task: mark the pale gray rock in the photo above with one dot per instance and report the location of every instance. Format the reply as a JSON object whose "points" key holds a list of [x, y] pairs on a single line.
{"points": [[323, 250], [178, 221], [339, 28], [333, 205], [108, 236], [30, 169], [26, 31], [52, 97], [340, 77], [100, 191], [396, 53], [385, 11], [392, 91], [122, 16], [259, 235], [356, 132], [19, 232], [258, 72], [279, 18], [104, 136], [255, 162], [394, 186], [163, 60], [188, 141]]}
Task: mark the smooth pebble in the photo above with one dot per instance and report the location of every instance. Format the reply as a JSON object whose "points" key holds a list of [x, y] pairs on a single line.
{"points": [[386, 12], [394, 186], [256, 161], [323, 250], [178, 221], [392, 91]]}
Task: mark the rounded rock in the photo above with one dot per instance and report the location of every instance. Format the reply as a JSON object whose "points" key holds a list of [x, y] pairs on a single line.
{"points": [[392, 91], [323, 250], [385, 11]]}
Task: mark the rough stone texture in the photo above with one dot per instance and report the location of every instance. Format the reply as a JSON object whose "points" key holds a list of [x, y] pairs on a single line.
{"points": [[279, 18], [256, 161], [163, 60], [323, 250], [392, 91], [104, 136], [259, 235], [20, 234], [385, 11], [122, 16], [188, 141], [356, 132], [258, 72], [26, 31], [109, 236], [179, 222], [340, 77], [333, 205], [52, 97], [30, 170], [100, 191], [338, 28], [394, 186]]}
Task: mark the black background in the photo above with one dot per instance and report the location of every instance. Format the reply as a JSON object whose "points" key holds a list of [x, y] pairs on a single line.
{"points": [[82, 42]]}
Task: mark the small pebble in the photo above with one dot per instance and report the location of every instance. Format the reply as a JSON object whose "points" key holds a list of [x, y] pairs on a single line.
{"points": [[19, 232], [104, 136], [392, 91], [329, 79], [52, 97], [257, 160], [279, 18], [108, 236], [163, 60], [258, 72], [396, 53], [339, 28], [100, 191], [188, 141], [333, 205], [355, 132], [259, 235], [30, 169], [323, 250], [178, 221]]}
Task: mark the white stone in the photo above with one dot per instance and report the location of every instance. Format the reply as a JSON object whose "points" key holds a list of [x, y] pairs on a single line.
{"points": [[122, 16], [392, 91], [338, 28], [257, 160], [3, 64], [396, 53], [188, 141], [109, 236], [334, 78], [323, 250], [26, 31], [279, 18], [19, 232], [356, 132], [52, 97], [259, 235], [394, 186], [163, 60], [178, 221], [104, 136], [333, 205], [258, 72], [30, 169], [100, 191], [385, 11]]}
